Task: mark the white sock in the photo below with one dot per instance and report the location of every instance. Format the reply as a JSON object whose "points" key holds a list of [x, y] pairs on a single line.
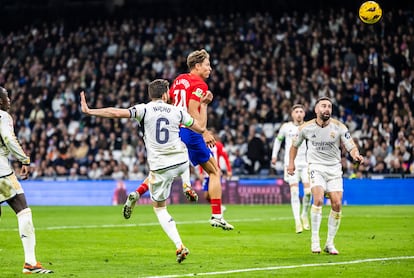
{"points": [[316, 219], [185, 178], [334, 220], [168, 225], [27, 235], [306, 202], [295, 202]]}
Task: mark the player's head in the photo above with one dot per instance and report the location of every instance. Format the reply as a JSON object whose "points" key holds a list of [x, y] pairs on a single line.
{"points": [[323, 108], [198, 62], [298, 113], [4, 100], [158, 89]]}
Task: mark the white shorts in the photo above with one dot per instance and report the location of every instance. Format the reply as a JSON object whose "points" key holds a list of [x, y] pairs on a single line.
{"points": [[301, 174], [159, 182], [329, 177], [9, 187]]}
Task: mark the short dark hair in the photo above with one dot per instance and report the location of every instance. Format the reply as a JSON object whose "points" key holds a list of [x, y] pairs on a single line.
{"points": [[323, 98], [157, 88], [298, 105]]}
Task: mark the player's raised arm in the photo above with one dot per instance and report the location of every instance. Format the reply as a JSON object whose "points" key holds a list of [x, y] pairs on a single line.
{"points": [[108, 112]]}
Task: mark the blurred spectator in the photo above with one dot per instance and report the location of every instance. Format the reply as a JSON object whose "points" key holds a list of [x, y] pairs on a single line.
{"points": [[257, 152], [120, 193], [135, 174], [257, 72], [95, 172], [239, 165]]}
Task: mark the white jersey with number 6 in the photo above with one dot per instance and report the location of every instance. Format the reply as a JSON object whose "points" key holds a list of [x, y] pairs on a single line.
{"points": [[160, 122]]}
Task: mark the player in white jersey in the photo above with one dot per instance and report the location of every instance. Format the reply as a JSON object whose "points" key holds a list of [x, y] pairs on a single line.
{"points": [[167, 154], [11, 190], [288, 131], [323, 137]]}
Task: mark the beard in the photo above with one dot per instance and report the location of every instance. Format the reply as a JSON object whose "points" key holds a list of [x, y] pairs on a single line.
{"points": [[325, 116]]}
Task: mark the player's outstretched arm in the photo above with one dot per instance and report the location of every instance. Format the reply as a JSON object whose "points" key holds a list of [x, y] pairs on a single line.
{"points": [[108, 112]]}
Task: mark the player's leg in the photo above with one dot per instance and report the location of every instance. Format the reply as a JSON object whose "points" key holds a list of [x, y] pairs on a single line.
{"points": [[27, 234], [293, 182], [170, 228], [25, 223], [334, 189], [26, 229], [295, 204], [188, 191], [306, 203], [334, 221], [133, 198], [200, 154], [316, 217], [206, 181], [318, 188], [214, 191], [160, 188]]}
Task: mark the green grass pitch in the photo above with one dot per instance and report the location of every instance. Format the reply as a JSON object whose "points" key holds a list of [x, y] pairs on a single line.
{"points": [[374, 241]]}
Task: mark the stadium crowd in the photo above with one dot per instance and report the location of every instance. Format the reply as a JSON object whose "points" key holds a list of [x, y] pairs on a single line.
{"points": [[262, 65]]}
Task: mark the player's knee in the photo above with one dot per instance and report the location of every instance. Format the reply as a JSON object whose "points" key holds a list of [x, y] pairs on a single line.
{"points": [[318, 200], [336, 206], [212, 170]]}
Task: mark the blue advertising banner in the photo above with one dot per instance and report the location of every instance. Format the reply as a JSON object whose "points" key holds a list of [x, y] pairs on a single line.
{"points": [[244, 191]]}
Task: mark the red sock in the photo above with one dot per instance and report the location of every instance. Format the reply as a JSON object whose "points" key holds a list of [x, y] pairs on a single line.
{"points": [[215, 206], [142, 189]]}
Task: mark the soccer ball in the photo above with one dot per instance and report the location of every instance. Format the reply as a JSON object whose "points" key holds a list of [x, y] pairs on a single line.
{"points": [[370, 12]]}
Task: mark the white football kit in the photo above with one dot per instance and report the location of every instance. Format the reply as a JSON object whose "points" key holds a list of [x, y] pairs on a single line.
{"points": [[324, 152], [289, 131], [9, 185], [167, 155]]}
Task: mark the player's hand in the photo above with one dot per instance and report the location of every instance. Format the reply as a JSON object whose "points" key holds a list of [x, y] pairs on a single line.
{"points": [[357, 157], [24, 172], [209, 139], [84, 105], [229, 174], [290, 170], [207, 97], [273, 161]]}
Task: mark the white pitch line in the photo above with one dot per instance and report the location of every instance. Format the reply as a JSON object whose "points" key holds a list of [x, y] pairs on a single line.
{"points": [[140, 224], [281, 267]]}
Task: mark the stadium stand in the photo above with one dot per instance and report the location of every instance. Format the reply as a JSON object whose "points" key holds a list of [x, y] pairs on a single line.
{"points": [[263, 62]]}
